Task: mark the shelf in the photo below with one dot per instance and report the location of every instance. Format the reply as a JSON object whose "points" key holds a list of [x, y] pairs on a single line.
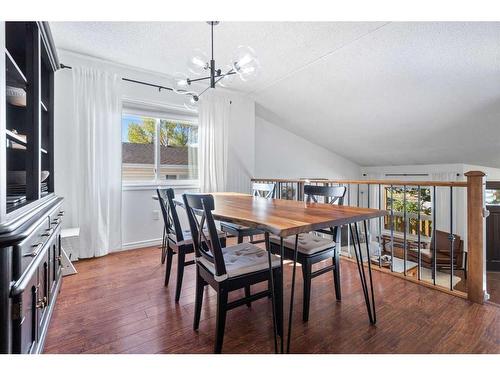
{"points": [[15, 76], [15, 137], [20, 140]]}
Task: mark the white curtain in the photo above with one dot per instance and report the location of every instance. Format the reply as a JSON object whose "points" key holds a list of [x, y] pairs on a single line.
{"points": [[213, 134], [97, 114]]}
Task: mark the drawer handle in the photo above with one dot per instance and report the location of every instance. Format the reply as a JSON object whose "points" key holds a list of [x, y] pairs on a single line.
{"points": [[56, 221], [35, 252], [61, 213], [48, 232]]}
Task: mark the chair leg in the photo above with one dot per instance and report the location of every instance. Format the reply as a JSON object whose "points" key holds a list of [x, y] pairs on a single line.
{"points": [[168, 267], [277, 303], [306, 274], [200, 288], [163, 245], [336, 276], [221, 319], [180, 273], [247, 294], [247, 288]]}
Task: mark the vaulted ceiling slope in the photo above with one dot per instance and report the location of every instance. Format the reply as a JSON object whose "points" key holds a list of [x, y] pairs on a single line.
{"points": [[377, 93]]}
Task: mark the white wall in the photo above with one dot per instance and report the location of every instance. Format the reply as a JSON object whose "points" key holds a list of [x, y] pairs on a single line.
{"points": [[282, 154], [241, 148], [141, 224], [491, 173]]}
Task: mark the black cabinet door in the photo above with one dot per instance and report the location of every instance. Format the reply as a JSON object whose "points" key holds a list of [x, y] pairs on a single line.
{"points": [[493, 239], [25, 318]]}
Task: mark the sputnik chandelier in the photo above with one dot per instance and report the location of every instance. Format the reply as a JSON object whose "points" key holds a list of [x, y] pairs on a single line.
{"points": [[244, 64]]}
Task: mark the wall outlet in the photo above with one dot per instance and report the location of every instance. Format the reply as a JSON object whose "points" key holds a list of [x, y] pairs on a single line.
{"points": [[156, 215]]}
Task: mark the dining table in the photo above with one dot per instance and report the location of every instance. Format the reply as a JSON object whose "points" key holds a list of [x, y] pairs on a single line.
{"points": [[284, 218]]}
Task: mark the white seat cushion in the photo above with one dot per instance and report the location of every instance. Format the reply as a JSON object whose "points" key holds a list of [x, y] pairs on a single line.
{"points": [[188, 240], [242, 259], [308, 243]]}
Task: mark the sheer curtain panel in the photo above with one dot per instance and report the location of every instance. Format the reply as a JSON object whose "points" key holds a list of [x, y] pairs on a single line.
{"points": [[97, 114], [213, 135]]}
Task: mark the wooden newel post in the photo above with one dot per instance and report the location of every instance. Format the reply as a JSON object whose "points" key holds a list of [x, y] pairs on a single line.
{"points": [[476, 281]]}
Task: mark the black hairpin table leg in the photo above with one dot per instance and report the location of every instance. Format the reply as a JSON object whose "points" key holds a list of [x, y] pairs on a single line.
{"points": [[292, 293], [368, 294], [282, 255], [273, 295]]}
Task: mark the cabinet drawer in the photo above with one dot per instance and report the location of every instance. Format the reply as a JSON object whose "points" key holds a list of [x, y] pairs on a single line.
{"points": [[26, 251]]}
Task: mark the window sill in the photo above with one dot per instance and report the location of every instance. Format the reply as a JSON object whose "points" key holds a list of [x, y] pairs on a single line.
{"points": [[152, 185]]}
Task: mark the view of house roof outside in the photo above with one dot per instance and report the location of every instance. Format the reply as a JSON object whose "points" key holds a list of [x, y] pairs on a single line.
{"points": [[177, 146]]}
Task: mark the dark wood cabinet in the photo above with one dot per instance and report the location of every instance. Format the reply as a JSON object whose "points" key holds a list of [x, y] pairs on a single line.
{"points": [[30, 212]]}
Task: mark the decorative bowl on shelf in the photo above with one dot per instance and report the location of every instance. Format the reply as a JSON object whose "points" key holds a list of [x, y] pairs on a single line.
{"points": [[16, 96], [44, 175]]}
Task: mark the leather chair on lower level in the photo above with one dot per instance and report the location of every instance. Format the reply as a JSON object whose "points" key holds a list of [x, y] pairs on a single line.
{"points": [[442, 244]]}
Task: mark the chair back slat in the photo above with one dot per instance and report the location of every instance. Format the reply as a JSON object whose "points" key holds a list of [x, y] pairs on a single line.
{"points": [[263, 190], [169, 213], [199, 209], [331, 194]]}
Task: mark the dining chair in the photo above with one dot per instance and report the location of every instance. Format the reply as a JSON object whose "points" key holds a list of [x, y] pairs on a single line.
{"points": [[262, 190], [176, 240], [227, 268], [313, 248]]}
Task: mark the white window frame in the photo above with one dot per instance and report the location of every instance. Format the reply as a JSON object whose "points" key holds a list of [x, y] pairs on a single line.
{"points": [[158, 112]]}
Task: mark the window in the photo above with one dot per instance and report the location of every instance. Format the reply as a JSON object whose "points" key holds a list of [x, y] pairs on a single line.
{"points": [[178, 150], [492, 196], [156, 149], [412, 209]]}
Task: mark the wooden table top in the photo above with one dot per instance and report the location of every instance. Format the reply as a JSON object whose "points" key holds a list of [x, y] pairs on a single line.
{"points": [[286, 217]]}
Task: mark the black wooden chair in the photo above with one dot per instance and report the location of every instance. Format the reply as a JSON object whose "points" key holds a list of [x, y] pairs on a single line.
{"points": [[312, 248], [226, 268], [240, 231], [176, 240]]}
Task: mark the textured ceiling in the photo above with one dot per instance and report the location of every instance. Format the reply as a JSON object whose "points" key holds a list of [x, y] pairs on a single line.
{"points": [[376, 93]]}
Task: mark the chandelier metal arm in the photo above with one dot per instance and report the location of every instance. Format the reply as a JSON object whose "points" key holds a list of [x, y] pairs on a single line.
{"points": [[220, 76]]}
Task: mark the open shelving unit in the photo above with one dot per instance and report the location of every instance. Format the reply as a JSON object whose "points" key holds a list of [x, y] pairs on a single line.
{"points": [[29, 78]]}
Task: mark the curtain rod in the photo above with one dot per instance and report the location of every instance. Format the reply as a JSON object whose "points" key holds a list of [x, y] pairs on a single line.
{"points": [[159, 87]]}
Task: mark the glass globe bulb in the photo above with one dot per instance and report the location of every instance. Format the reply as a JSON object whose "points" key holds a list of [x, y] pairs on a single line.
{"points": [[250, 71], [198, 63], [181, 84], [227, 80], [243, 56]]}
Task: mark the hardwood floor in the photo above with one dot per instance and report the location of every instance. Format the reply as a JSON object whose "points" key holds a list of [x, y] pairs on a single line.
{"points": [[117, 304]]}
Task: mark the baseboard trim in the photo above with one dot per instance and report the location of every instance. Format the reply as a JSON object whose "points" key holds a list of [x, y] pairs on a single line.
{"points": [[140, 244]]}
